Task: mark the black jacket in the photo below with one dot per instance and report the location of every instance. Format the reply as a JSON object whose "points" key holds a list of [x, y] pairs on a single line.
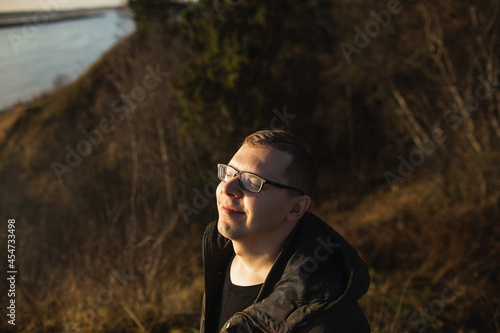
{"points": [[313, 286]]}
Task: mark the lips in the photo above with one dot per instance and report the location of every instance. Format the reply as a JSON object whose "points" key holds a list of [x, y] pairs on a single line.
{"points": [[230, 210]]}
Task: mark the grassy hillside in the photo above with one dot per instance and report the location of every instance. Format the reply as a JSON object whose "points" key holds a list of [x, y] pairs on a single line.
{"points": [[420, 246], [98, 244], [99, 174]]}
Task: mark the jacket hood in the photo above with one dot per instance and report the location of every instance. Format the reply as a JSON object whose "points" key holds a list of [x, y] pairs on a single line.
{"points": [[316, 271]]}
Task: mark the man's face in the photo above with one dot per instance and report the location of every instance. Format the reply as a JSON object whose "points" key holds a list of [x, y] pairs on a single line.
{"points": [[243, 214]]}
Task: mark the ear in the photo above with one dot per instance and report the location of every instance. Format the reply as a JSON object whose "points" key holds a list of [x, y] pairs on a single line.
{"points": [[299, 207]]}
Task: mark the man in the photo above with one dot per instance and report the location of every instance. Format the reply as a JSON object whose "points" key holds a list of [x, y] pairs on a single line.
{"points": [[271, 266]]}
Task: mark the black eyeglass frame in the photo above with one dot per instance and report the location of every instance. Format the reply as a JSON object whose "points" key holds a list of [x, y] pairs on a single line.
{"points": [[264, 180]]}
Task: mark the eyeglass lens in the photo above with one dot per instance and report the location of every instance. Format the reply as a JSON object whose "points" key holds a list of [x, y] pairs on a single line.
{"points": [[247, 181]]}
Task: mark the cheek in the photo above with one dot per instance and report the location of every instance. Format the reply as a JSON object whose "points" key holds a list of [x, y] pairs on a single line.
{"points": [[218, 192], [267, 206]]}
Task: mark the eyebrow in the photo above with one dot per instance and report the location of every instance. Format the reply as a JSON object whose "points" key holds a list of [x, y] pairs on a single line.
{"points": [[270, 182], [253, 173]]}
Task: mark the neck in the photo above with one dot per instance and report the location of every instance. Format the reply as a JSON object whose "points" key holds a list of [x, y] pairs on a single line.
{"points": [[255, 257]]}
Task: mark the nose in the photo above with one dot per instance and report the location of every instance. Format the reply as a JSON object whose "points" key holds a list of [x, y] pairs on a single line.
{"points": [[231, 187]]}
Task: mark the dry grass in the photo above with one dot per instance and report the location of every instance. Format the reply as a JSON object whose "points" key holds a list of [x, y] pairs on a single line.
{"points": [[418, 243], [106, 250], [7, 120], [417, 248], [146, 290]]}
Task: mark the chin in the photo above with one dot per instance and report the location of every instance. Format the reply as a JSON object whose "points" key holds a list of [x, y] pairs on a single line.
{"points": [[229, 229]]}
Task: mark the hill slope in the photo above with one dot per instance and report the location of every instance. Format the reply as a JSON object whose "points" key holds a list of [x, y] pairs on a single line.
{"points": [[94, 175]]}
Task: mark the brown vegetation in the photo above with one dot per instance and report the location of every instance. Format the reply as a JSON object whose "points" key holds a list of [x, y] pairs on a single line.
{"points": [[107, 248]]}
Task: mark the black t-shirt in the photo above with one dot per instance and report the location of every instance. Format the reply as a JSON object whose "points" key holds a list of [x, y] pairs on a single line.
{"points": [[235, 298]]}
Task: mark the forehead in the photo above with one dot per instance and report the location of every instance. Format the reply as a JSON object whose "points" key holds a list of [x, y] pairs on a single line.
{"points": [[267, 162]]}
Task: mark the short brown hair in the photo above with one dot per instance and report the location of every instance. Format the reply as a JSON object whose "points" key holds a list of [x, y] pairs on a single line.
{"points": [[301, 172]]}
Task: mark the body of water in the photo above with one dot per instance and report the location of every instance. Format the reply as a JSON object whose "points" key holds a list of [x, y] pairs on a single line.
{"points": [[34, 57]]}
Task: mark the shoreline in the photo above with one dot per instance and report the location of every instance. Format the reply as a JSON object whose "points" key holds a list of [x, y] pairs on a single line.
{"points": [[30, 92], [22, 18]]}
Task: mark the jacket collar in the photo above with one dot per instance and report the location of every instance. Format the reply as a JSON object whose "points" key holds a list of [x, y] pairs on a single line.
{"points": [[316, 270]]}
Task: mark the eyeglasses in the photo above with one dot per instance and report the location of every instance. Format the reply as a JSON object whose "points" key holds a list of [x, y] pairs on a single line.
{"points": [[248, 181]]}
